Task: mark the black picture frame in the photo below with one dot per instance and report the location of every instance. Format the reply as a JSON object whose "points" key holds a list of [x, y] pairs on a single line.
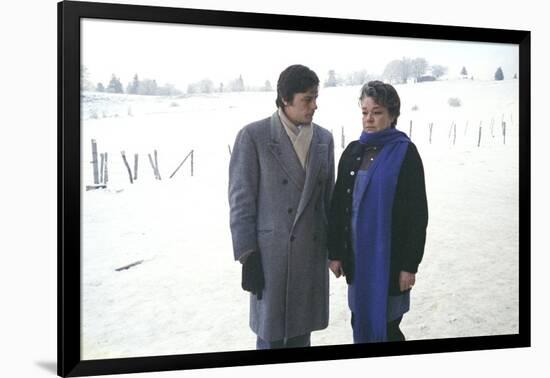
{"points": [[69, 16]]}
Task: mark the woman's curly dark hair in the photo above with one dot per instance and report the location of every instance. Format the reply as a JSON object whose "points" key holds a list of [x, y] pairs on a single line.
{"points": [[385, 95]]}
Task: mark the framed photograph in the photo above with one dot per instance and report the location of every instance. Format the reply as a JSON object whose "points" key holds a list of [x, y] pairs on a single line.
{"points": [[151, 102]]}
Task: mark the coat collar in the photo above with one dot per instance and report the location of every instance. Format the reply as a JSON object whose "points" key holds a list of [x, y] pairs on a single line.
{"points": [[281, 148]]}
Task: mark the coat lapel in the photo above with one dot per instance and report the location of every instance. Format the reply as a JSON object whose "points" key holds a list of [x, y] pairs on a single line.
{"points": [[317, 155], [281, 148]]}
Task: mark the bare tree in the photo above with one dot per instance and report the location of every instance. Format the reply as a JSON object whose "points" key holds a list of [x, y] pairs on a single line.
{"points": [[331, 81], [393, 71], [418, 67], [438, 70]]}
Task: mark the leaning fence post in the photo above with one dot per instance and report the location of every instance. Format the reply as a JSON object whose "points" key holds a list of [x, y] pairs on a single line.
{"points": [[411, 130], [135, 166], [127, 166], [192, 164], [454, 134], [157, 171], [94, 161], [102, 167], [183, 161], [479, 137], [106, 173], [504, 132], [343, 138], [431, 127], [152, 164]]}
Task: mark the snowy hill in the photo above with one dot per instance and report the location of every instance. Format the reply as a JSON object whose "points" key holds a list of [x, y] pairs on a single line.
{"points": [[184, 296]]}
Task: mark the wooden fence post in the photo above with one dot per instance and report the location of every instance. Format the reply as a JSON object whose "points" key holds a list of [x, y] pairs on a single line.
{"points": [[192, 161], [106, 173], [94, 162], [454, 134], [135, 166], [411, 130], [343, 138], [127, 166], [431, 128], [102, 167], [183, 161], [492, 125], [152, 164], [479, 137], [157, 170], [466, 128], [504, 132]]}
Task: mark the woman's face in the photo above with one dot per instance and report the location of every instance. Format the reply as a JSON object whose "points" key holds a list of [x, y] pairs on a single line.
{"points": [[375, 117]]}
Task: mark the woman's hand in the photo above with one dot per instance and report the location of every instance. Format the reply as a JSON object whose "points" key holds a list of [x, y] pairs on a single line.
{"points": [[406, 280], [336, 267]]}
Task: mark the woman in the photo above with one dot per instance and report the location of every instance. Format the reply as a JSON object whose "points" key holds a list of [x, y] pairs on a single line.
{"points": [[379, 214]]}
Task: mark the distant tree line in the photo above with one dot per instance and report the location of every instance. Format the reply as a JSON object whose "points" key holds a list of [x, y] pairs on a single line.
{"points": [[149, 87], [146, 87], [397, 71], [400, 71], [236, 85]]}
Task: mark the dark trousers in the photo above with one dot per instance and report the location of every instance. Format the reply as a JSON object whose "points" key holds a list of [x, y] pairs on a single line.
{"points": [[293, 342], [393, 332]]}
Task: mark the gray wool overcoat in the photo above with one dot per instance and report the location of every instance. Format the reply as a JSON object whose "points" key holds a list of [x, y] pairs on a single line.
{"points": [[281, 211]]}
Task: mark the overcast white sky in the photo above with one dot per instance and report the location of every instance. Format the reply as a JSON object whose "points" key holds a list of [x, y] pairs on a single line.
{"points": [[180, 54]]}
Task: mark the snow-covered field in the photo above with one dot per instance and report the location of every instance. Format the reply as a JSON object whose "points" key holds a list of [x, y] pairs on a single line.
{"points": [[185, 297]]}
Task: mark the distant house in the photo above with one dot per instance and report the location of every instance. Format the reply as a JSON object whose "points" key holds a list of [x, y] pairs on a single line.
{"points": [[423, 78]]}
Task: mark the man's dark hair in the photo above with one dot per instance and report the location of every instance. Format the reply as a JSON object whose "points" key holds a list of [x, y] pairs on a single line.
{"points": [[294, 79], [385, 95]]}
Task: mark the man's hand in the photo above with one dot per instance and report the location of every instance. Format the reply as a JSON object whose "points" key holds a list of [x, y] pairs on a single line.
{"points": [[336, 267], [406, 280]]}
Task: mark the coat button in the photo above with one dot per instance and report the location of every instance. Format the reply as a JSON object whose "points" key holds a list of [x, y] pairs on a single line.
{"points": [[348, 191], [371, 159], [358, 158], [352, 173], [290, 210], [347, 210], [285, 181], [292, 238]]}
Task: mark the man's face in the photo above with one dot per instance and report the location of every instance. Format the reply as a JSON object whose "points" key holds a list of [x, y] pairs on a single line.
{"points": [[300, 111]]}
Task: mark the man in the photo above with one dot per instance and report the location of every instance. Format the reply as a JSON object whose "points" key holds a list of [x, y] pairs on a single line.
{"points": [[281, 176]]}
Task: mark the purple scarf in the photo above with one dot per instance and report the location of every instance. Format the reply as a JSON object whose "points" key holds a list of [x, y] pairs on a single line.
{"points": [[368, 294]]}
